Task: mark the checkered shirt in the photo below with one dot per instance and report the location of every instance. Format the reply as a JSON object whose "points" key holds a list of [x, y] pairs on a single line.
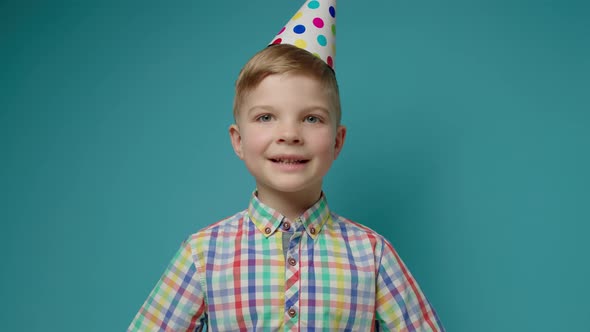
{"points": [[259, 271]]}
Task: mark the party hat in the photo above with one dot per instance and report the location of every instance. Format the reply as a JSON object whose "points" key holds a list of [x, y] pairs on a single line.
{"points": [[312, 28]]}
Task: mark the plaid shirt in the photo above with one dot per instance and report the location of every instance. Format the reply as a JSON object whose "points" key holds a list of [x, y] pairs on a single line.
{"points": [[259, 271]]}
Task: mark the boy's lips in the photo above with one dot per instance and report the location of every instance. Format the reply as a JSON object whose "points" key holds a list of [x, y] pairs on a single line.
{"points": [[288, 159]]}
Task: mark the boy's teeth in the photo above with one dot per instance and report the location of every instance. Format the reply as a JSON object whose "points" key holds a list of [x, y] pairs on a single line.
{"points": [[286, 161]]}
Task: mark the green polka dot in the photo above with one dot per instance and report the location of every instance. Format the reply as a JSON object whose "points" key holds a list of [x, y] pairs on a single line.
{"points": [[334, 29]]}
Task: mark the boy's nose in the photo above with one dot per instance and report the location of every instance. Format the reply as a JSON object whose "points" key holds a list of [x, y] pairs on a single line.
{"points": [[289, 133]]}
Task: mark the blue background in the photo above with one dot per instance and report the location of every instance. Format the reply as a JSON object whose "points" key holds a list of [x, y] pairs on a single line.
{"points": [[468, 148]]}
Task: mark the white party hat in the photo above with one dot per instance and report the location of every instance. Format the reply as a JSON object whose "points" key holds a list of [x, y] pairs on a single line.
{"points": [[312, 28]]}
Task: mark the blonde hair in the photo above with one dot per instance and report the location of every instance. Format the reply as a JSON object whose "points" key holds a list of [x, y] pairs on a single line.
{"points": [[283, 59]]}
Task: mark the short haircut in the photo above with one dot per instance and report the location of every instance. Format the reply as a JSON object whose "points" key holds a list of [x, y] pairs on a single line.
{"points": [[283, 59]]}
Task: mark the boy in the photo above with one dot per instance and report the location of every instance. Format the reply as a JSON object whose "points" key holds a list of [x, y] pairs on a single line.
{"points": [[287, 262]]}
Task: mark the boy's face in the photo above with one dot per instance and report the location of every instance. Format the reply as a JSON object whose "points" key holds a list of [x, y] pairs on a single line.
{"points": [[286, 133]]}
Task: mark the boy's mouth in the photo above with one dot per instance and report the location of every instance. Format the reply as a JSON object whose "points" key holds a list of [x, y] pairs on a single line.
{"points": [[288, 161]]}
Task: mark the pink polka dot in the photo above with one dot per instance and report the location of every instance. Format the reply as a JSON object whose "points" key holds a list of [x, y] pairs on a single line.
{"points": [[318, 22], [283, 29], [277, 41], [330, 61]]}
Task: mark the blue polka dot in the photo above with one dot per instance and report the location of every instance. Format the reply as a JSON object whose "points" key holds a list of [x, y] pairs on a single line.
{"points": [[299, 29], [322, 40], [313, 5], [332, 11]]}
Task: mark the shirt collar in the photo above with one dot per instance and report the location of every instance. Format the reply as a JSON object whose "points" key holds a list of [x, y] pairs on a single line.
{"points": [[267, 219]]}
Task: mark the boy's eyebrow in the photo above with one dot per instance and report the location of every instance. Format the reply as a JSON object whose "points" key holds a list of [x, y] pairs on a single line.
{"points": [[307, 109], [263, 107]]}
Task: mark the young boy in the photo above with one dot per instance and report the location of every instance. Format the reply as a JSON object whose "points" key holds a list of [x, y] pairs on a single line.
{"points": [[287, 262]]}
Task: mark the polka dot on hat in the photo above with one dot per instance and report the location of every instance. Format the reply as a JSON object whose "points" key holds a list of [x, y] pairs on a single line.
{"points": [[301, 43], [299, 29], [318, 22], [313, 28], [313, 4]]}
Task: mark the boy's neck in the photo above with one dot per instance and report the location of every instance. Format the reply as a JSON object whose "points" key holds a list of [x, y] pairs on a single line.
{"points": [[290, 205]]}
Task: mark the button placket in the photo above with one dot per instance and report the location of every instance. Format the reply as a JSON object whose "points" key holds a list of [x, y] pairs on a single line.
{"points": [[292, 268]]}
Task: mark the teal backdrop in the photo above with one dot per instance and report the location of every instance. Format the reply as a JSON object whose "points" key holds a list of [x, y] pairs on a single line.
{"points": [[468, 148]]}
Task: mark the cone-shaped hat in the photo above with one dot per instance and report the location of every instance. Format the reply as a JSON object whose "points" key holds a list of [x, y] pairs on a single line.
{"points": [[312, 28]]}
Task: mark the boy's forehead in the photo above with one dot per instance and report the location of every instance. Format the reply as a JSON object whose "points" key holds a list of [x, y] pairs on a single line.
{"points": [[275, 86]]}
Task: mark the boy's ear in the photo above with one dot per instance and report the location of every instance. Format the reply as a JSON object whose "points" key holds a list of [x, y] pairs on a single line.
{"points": [[339, 142], [236, 139]]}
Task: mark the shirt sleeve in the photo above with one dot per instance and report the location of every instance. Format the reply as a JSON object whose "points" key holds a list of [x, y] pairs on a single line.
{"points": [[177, 302], [400, 304]]}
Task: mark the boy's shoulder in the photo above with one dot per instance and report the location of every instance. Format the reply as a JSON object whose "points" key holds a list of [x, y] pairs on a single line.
{"points": [[225, 227], [352, 227]]}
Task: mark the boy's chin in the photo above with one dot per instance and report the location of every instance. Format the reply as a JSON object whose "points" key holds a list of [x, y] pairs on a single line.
{"points": [[290, 189]]}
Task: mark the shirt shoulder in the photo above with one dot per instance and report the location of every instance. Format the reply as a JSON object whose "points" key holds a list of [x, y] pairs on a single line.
{"points": [[226, 227], [217, 239], [353, 227], [358, 236]]}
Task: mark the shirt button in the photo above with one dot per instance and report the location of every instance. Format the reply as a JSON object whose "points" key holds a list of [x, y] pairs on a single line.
{"points": [[267, 230], [286, 225], [312, 230], [292, 313], [292, 261]]}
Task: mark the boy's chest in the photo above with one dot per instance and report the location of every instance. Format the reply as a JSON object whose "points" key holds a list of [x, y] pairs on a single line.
{"points": [[322, 284]]}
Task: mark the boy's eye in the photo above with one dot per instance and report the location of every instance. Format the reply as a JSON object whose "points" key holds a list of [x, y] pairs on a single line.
{"points": [[312, 119], [264, 118]]}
